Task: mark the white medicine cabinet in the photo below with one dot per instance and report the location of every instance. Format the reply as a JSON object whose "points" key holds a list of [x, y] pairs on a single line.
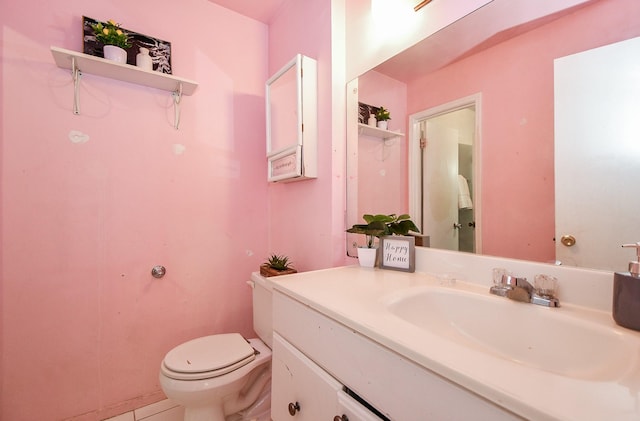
{"points": [[292, 121]]}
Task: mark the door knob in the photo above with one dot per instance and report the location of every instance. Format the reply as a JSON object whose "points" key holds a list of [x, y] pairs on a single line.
{"points": [[568, 240], [293, 408]]}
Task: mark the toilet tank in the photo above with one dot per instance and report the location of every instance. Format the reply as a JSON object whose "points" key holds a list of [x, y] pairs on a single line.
{"points": [[262, 306]]}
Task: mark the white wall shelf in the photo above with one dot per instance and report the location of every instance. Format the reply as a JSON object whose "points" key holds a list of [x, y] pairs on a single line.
{"points": [[80, 63], [367, 130]]}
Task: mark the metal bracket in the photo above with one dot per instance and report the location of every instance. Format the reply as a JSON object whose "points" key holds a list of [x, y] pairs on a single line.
{"points": [[177, 97], [76, 74]]}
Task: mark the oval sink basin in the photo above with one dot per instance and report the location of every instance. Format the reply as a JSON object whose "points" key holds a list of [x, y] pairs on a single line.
{"points": [[528, 334]]}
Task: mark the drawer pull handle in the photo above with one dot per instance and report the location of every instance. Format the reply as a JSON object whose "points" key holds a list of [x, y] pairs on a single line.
{"points": [[342, 417], [293, 408]]}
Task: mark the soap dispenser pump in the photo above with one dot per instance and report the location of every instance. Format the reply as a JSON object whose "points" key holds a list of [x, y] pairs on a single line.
{"points": [[626, 293]]}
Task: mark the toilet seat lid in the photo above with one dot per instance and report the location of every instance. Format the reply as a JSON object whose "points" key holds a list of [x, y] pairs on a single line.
{"points": [[209, 353]]}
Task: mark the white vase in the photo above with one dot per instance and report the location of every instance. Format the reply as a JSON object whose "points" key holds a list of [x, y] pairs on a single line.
{"points": [[372, 120], [383, 125], [143, 59], [115, 53], [367, 256]]}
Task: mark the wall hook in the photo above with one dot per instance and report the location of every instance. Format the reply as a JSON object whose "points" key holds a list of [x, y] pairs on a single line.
{"points": [[158, 271]]}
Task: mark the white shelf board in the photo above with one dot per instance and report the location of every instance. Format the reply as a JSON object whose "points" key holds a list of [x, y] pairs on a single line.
{"points": [[376, 132], [125, 72]]}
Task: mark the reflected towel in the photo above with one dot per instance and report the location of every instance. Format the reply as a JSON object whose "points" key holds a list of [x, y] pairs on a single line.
{"points": [[464, 198]]}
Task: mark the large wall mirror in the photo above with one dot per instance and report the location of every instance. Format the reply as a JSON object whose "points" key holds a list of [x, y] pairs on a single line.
{"points": [[513, 73]]}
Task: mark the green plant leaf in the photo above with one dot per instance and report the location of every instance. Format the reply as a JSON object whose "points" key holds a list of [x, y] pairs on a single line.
{"points": [[380, 225], [278, 262]]}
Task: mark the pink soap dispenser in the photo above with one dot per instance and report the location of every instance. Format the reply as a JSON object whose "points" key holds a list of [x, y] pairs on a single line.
{"points": [[626, 293]]}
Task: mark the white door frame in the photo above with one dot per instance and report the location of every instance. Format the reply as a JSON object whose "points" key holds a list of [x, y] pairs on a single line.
{"points": [[415, 176]]}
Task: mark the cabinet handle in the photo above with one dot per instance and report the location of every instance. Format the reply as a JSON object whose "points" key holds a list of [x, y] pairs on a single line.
{"points": [[293, 408], [342, 417]]}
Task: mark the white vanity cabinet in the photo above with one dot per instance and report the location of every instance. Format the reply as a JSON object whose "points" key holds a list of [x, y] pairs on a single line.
{"points": [[305, 392], [301, 390], [398, 389]]}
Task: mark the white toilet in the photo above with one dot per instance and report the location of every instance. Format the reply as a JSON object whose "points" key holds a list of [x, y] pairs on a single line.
{"points": [[217, 376]]}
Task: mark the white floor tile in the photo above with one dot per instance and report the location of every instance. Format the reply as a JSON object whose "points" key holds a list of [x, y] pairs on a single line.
{"points": [[174, 414], [154, 408]]}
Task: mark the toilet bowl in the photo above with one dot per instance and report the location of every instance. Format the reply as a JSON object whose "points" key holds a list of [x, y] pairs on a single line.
{"points": [[216, 376]]}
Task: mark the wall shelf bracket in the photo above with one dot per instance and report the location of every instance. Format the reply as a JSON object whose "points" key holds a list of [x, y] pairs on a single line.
{"points": [[177, 97], [76, 74]]}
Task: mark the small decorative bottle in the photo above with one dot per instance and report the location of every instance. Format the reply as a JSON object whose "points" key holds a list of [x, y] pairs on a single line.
{"points": [[143, 59], [372, 120]]}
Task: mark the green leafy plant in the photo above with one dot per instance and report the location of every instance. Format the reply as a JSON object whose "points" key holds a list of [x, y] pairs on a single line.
{"points": [[381, 225], [278, 262], [109, 33], [383, 114]]}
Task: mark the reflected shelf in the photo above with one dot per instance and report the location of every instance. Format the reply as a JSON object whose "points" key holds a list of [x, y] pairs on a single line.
{"points": [[367, 130]]}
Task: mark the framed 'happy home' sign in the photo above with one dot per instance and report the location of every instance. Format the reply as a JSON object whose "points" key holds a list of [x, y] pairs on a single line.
{"points": [[398, 253]]}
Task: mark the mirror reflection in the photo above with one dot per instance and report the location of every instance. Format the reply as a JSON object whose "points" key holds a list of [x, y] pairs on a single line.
{"points": [[513, 189]]}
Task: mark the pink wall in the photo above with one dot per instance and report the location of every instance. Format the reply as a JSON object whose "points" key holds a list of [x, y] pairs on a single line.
{"points": [[382, 165], [300, 213], [517, 120], [84, 325]]}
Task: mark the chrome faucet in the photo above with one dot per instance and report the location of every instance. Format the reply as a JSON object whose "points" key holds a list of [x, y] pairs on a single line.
{"points": [[505, 284], [519, 289]]}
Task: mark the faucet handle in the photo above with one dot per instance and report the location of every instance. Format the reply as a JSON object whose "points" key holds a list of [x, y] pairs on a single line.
{"points": [[545, 286]]}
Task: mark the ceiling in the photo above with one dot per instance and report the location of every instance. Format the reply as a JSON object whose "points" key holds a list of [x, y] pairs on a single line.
{"points": [[260, 10], [482, 29]]}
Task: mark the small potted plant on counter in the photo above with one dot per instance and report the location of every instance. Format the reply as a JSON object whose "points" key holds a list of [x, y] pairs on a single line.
{"points": [[382, 117], [277, 265], [378, 226]]}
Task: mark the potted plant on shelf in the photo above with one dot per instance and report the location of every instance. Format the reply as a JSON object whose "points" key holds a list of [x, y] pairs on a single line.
{"points": [[382, 117], [378, 226], [277, 265], [115, 40]]}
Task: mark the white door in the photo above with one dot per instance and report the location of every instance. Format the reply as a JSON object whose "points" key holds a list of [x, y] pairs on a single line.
{"points": [[597, 155], [440, 178]]}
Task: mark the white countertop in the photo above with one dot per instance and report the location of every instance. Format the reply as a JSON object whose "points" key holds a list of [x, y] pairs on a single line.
{"points": [[355, 297]]}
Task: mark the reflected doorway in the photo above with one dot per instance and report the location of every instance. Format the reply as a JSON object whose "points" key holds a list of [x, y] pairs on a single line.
{"points": [[444, 194]]}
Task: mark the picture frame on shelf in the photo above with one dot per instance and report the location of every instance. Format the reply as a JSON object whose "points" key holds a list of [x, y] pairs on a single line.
{"points": [[364, 111], [159, 50], [398, 252]]}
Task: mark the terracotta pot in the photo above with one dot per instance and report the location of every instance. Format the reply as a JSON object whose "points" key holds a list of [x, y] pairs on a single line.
{"points": [[266, 271]]}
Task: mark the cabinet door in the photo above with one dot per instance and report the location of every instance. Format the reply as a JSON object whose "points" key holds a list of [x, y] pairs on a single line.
{"points": [[292, 114], [300, 390]]}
